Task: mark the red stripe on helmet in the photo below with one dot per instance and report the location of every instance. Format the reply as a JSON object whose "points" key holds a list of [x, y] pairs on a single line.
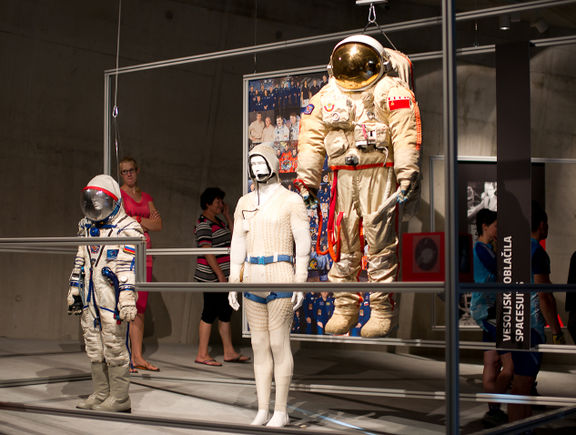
{"points": [[107, 192]]}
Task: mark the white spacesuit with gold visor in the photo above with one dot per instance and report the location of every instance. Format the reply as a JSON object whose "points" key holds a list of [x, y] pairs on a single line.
{"points": [[366, 120]]}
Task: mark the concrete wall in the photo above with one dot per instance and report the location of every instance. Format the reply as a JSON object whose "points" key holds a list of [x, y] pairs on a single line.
{"points": [[184, 126]]}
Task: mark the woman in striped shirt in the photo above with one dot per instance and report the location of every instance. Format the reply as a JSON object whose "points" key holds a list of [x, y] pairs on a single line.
{"points": [[213, 232]]}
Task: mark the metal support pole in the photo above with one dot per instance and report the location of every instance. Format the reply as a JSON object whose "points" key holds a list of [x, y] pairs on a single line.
{"points": [[107, 112], [68, 241], [451, 227], [141, 262]]}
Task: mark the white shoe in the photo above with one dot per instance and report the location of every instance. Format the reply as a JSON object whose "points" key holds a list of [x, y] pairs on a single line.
{"points": [[261, 418], [279, 419]]}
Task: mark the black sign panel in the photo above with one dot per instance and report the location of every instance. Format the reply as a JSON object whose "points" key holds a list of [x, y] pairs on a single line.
{"points": [[514, 191]]}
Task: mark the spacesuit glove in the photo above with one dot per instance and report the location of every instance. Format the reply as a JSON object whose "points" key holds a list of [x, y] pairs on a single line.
{"points": [[127, 305], [310, 200], [297, 299], [404, 191], [74, 301], [301, 268], [559, 338], [233, 300], [308, 195], [235, 273], [128, 312]]}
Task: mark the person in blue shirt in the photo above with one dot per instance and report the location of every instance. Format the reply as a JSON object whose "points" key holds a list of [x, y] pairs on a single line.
{"points": [[542, 311], [324, 308], [363, 315], [498, 365], [308, 311]]}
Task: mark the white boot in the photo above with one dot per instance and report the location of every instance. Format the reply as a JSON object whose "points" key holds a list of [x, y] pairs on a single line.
{"points": [[100, 386], [261, 418], [279, 419], [118, 400]]}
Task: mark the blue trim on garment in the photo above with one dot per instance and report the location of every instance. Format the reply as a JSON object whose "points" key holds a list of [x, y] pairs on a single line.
{"points": [[108, 309], [270, 259], [92, 295], [81, 284], [269, 298], [127, 343], [94, 228], [90, 289], [113, 280]]}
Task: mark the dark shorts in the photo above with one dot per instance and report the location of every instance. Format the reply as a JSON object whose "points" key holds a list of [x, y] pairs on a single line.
{"points": [[216, 306], [528, 363], [572, 324], [489, 335]]}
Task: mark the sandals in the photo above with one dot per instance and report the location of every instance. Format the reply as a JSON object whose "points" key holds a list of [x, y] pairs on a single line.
{"points": [[209, 362], [149, 367], [240, 359]]}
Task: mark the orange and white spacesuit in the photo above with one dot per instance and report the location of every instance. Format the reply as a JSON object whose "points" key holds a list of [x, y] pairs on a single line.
{"points": [[367, 121]]}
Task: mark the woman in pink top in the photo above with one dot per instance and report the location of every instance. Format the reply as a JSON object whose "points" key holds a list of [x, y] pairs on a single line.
{"points": [[141, 207]]}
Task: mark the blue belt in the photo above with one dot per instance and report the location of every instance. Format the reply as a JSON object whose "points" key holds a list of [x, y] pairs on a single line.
{"points": [[270, 297], [270, 259]]}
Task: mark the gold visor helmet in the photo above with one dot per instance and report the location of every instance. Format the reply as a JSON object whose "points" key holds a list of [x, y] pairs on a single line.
{"points": [[358, 62]]}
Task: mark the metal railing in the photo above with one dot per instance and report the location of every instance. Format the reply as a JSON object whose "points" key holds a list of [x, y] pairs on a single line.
{"points": [[44, 245], [65, 245]]}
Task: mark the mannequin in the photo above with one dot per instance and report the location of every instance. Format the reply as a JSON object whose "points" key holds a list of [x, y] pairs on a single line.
{"points": [[269, 222]]}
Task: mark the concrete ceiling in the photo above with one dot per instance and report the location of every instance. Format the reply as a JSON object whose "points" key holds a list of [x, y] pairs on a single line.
{"points": [[325, 16]]}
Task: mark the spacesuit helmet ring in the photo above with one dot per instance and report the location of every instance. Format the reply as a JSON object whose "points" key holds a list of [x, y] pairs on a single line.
{"points": [[101, 198], [358, 62], [97, 205]]}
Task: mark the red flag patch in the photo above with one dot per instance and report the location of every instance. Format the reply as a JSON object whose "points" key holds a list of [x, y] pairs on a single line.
{"points": [[395, 103], [130, 250]]}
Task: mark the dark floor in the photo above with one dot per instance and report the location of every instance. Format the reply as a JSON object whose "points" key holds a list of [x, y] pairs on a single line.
{"points": [[333, 391]]}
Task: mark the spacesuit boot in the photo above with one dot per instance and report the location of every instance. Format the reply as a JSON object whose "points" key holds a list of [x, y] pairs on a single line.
{"points": [[118, 400], [381, 313], [346, 309], [100, 385]]}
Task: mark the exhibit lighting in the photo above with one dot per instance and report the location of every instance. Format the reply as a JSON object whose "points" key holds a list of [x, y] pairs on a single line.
{"points": [[540, 25], [504, 22]]}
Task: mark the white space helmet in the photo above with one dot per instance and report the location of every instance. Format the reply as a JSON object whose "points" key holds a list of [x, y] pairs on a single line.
{"points": [[269, 154], [101, 198], [358, 62]]}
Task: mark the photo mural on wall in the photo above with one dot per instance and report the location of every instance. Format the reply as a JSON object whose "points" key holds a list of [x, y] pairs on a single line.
{"points": [[275, 102]]}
